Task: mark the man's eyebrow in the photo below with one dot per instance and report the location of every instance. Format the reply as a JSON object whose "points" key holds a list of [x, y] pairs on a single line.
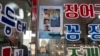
{"points": [[17, 33]]}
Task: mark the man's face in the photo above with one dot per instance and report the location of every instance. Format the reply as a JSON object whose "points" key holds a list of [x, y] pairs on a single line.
{"points": [[14, 37], [46, 21], [47, 28]]}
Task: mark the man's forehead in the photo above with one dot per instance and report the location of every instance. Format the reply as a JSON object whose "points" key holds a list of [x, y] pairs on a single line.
{"points": [[14, 30], [14, 33]]}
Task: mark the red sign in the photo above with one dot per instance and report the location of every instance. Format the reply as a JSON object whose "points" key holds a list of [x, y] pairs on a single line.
{"points": [[6, 51], [34, 2]]}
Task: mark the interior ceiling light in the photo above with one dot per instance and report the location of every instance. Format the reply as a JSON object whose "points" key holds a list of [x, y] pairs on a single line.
{"points": [[99, 16], [21, 13], [28, 14], [29, 34], [89, 36], [14, 6]]}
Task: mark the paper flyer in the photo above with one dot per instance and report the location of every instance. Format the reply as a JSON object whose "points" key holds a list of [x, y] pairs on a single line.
{"points": [[50, 27], [18, 52]]}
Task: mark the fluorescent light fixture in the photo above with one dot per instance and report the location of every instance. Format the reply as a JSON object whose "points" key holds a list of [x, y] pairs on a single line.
{"points": [[29, 34], [33, 35], [27, 37], [21, 13], [89, 36], [28, 14], [62, 46], [99, 16]]}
